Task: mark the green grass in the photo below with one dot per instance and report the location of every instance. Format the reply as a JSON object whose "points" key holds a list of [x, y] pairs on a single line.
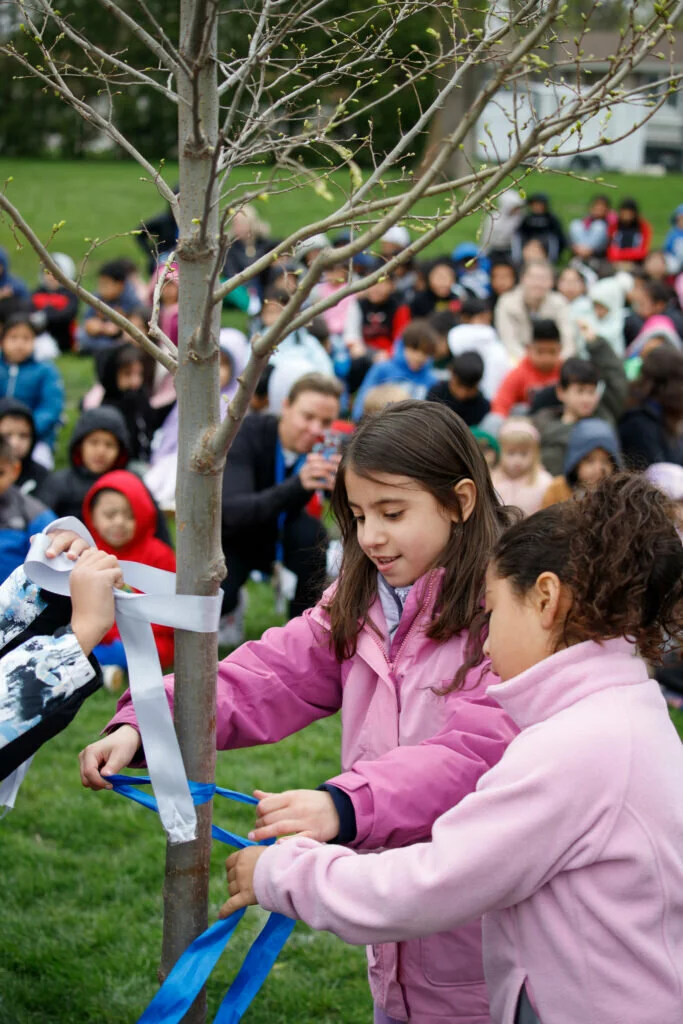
{"points": [[80, 912], [104, 200]]}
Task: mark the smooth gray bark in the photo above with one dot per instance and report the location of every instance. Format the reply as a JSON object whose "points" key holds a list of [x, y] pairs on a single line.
{"points": [[198, 497]]}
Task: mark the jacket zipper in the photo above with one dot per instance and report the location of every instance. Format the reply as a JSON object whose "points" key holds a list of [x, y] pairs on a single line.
{"points": [[12, 382], [392, 664]]}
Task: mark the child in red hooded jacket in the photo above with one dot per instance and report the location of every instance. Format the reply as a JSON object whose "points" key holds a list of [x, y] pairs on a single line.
{"points": [[122, 518]]}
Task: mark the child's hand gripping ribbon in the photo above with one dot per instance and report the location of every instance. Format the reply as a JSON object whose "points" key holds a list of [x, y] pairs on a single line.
{"points": [[157, 603], [191, 971]]}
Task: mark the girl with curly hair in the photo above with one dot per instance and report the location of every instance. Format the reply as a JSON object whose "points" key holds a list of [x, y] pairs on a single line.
{"points": [[572, 845]]}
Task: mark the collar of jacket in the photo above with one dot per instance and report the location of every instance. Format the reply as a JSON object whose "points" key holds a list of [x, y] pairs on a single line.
{"points": [[567, 677]]}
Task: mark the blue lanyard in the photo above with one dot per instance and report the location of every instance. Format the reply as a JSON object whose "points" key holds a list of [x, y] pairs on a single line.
{"points": [[190, 972], [280, 476]]}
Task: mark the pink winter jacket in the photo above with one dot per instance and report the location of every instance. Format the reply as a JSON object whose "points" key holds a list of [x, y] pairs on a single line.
{"points": [[572, 847], [407, 756]]}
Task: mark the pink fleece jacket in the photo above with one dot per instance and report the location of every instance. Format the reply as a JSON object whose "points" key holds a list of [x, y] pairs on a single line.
{"points": [[407, 756], [572, 848]]}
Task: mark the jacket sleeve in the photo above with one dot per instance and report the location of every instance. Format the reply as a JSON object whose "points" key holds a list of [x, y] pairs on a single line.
{"points": [[507, 395], [244, 506], [51, 402], [268, 689], [51, 490], [396, 799], [611, 369], [21, 602], [480, 857]]}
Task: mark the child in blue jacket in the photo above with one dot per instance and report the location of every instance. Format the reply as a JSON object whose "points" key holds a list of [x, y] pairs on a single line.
{"points": [[37, 385], [410, 365]]}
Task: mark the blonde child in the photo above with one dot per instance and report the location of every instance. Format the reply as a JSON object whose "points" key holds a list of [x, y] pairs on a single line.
{"points": [[572, 846], [418, 516], [519, 478]]}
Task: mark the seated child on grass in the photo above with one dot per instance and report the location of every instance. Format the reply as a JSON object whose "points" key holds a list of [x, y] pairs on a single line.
{"points": [[410, 365], [18, 427], [120, 514], [38, 385], [462, 393], [592, 454], [21, 515], [519, 478], [539, 367], [113, 287]]}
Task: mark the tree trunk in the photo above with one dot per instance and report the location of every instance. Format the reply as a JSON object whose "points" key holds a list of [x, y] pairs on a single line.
{"points": [[198, 497]]}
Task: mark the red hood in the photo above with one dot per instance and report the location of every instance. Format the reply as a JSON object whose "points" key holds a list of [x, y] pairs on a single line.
{"points": [[144, 511]]}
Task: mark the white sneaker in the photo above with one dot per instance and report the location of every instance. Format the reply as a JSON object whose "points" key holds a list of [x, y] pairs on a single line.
{"points": [[231, 627]]}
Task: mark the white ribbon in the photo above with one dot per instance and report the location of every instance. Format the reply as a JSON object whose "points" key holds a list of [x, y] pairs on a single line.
{"points": [[158, 603]]}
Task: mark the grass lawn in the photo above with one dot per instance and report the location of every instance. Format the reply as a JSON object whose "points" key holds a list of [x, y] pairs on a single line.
{"points": [[107, 199], [80, 914]]}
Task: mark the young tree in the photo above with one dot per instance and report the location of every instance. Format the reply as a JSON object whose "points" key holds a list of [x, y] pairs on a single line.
{"points": [[294, 92]]}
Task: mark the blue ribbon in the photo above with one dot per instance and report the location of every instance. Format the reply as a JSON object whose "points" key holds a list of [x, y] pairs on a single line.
{"points": [[191, 971]]}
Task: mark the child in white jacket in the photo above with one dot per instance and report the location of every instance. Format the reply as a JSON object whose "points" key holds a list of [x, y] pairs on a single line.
{"points": [[572, 846]]}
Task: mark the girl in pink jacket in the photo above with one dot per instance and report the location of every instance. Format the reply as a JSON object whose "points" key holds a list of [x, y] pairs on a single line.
{"points": [[418, 517], [572, 845]]}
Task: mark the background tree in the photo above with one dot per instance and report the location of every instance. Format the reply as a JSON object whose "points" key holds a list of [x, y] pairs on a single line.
{"points": [[296, 90]]}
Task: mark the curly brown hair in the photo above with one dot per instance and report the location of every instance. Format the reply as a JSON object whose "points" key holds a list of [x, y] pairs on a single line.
{"points": [[618, 552]]}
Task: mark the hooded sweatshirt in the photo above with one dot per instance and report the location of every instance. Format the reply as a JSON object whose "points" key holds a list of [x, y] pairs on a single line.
{"points": [[585, 437], [611, 292], [64, 490], [141, 420], [395, 371], [144, 547], [482, 339], [32, 473]]}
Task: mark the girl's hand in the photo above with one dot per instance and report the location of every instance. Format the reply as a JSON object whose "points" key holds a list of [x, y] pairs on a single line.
{"points": [[240, 868], [68, 543], [309, 812], [108, 756], [91, 584]]}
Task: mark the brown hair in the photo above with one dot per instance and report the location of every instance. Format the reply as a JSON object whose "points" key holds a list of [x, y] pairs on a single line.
{"points": [[316, 382], [618, 552], [429, 443], [420, 335], [661, 380]]}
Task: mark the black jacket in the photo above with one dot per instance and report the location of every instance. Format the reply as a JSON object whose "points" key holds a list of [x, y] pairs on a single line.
{"points": [[547, 228], [472, 410], [140, 418], [645, 440], [252, 501]]}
